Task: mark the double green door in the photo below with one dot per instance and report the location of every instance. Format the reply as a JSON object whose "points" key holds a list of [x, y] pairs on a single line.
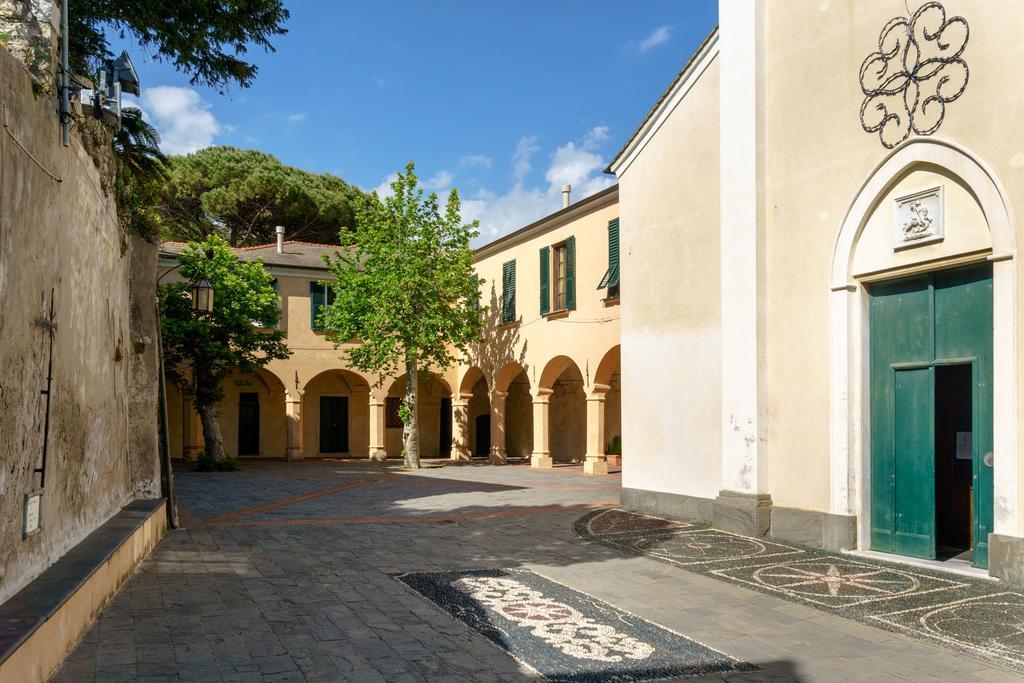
{"points": [[923, 330]]}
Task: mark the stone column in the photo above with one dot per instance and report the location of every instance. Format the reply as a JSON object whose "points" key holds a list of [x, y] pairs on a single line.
{"points": [[378, 446], [597, 461], [541, 456], [293, 418], [461, 448], [498, 456]]}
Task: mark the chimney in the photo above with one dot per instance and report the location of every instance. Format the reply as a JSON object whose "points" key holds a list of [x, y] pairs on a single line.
{"points": [[280, 239], [566, 191]]}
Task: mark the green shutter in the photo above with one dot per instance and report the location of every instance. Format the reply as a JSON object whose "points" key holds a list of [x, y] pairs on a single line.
{"points": [[545, 280], [317, 299], [508, 292], [570, 272], [613, 252]]}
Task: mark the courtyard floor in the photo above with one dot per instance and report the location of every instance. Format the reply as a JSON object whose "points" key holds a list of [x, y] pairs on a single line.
{"points": [[335, 570]]}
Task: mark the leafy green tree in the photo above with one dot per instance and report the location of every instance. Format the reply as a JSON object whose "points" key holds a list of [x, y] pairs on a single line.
{"points": [[243, 194], [202, 350], [141, 171], [205, 39], [406, 291]]}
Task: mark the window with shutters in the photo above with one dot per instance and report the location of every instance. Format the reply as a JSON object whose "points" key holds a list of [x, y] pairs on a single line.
{"points": [[320, 294], [559, 273], [508, 292], [611, 276], [392, 414]]}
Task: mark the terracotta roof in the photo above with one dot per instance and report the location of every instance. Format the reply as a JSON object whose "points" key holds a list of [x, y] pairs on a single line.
{"points": [[296, 254], [661, 100]]}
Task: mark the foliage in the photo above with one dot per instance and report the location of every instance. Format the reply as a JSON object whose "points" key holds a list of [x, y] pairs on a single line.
{"points": [[614, 447], [406, 290], [140, 174], [201, 351], [205, 39], [206, 462], [243, 194]]}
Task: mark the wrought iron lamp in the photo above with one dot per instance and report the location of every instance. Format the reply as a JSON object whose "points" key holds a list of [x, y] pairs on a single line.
{"points": [[202, 297]]}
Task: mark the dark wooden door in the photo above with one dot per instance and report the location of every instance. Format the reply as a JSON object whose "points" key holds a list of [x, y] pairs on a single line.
{"points": [[445, 445], [334, 424], [248, 423], [483, 435]]}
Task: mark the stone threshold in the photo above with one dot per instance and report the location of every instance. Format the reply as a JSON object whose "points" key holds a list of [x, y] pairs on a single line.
{"points": [[949, 566], [41, 623]]}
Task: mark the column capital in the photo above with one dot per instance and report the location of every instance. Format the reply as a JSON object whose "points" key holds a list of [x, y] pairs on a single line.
{"points": [[598, 392], [542, 395], [498, 395]]}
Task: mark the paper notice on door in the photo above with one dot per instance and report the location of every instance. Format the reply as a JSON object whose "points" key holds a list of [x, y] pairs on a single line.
{"points": [[964, 445]]}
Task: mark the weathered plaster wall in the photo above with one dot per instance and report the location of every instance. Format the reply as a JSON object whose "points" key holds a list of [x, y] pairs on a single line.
{"points": [[64, 236]]}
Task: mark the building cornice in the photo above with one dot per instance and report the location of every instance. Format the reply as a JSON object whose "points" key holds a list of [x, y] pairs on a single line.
{"points": [[594, 202], [670, 99]]}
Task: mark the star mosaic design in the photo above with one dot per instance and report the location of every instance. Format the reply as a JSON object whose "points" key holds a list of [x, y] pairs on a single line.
{"points": [[836, 582], [973, 616], [565, 635]]}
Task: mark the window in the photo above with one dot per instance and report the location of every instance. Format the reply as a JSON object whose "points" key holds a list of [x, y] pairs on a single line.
{"points": [[320, 294], [611, 276], [558, 277], [508, 292], [392, 414]]}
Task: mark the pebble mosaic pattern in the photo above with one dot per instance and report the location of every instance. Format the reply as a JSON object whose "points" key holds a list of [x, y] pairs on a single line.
{"points": [[970, 615], [563, 634]]}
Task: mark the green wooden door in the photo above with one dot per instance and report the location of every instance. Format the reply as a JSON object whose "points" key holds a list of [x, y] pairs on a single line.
{"points": [[916, 324]]}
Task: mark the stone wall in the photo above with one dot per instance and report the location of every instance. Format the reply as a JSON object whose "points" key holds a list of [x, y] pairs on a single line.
{"points": [[59, 232]]}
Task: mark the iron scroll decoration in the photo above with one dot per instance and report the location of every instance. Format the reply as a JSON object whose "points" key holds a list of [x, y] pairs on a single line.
{"points": [[917, 70]]}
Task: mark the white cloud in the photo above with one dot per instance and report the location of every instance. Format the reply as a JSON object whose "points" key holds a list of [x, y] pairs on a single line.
{"points": [[183, 119], [577, 162], [475, 160], [525, 148], [440, 181], [384, 189], [297, 118], [658, 37]]}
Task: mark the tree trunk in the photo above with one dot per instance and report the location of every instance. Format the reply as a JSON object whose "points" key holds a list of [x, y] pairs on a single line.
{"points": [[411, 431], [214, 442]]}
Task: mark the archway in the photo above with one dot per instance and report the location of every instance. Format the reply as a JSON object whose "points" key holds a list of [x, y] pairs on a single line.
{"points": [[852, 277], [335, 415], [434, 409], [477, 415], [514, 434], [608, 385], [567, 421]]}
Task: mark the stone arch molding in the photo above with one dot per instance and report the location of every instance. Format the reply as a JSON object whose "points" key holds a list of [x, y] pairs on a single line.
{"points": [[849, 408]]}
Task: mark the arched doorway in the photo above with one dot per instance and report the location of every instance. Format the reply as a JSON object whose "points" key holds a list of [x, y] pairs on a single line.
{"points": [[895, 409], [512, 431], [434, 412], [477, 428], [567, 417], [607, 392], [335, 410]]}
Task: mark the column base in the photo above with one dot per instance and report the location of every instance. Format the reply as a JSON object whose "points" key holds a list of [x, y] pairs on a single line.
{"points": [[460, 454], [614, 460], [378, 454], [292, 455], [749, 514], [541, 460], [598, 465], [1006, 558], [497, 456]]}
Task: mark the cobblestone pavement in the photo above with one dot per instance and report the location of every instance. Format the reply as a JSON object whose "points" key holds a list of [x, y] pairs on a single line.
{"points": [[286, 572]]}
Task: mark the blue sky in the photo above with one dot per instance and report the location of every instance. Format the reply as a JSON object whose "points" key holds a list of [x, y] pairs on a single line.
{"points": [[505, 101]]}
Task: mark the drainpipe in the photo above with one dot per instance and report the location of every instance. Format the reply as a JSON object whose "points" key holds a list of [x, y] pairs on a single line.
{"points": [[566, 191], [280, 239]]}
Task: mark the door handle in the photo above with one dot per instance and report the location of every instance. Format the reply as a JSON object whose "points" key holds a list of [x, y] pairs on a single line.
{"points": [[988, 459]]}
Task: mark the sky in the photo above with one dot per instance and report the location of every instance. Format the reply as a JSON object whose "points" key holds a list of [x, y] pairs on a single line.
{"points": [[504, 100]]}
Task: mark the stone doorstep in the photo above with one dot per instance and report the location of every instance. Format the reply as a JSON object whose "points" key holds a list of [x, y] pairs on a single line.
{"points": [[53, 596]]}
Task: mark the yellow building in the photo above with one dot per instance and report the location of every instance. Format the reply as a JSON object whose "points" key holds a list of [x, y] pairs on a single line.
{"points": [[529, 391], [830, 189]]}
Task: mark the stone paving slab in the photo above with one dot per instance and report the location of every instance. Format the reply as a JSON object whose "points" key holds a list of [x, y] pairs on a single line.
{"points": [[318, 601]]}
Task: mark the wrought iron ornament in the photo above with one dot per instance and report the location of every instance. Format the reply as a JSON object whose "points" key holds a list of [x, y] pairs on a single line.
{"points": [[917, 70]]}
